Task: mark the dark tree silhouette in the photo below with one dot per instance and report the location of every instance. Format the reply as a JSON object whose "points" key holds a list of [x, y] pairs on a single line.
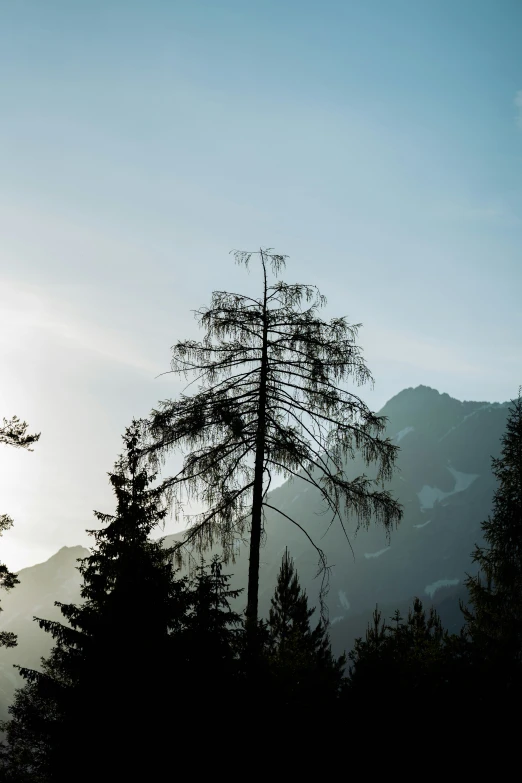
{"points": [[494, 618], [305, 674], [13, 432], [413, 662], [101, 668], [7, 581], [271, 400], [214, 636]]}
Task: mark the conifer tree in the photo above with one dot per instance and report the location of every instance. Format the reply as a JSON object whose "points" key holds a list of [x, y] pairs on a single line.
{"points": [[305, 673], [98, 706], [13, 432], [214, 634], [494, 618], [412, 661], [272, 399], [8, 580]]}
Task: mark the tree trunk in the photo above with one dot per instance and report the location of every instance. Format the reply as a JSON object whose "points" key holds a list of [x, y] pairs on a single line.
{"points": [[257, 499]]}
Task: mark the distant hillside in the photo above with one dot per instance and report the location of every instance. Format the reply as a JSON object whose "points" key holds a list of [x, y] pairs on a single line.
{"points": [[40, 586], [444, 482]]}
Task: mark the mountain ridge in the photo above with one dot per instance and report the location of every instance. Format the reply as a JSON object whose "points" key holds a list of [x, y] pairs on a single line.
{"points": [[443, 480]]}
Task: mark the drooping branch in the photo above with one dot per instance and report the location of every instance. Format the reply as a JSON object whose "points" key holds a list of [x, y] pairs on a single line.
{"points": [[272, 397], [324, 568]]}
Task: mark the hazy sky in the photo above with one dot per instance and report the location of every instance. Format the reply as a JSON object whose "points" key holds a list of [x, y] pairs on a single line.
{"points": [[377, 143]]}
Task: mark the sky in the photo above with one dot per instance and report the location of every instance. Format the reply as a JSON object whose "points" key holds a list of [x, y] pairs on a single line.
{"points": [[377, 144]]}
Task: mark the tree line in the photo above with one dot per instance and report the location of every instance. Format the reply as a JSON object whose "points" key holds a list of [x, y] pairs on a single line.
{"points": [[150, 652]]}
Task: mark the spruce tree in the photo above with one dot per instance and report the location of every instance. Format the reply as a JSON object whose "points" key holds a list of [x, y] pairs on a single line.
{"points": [[214, 635], [494, 617], [98, 706], [304, 673], [272, 399]]}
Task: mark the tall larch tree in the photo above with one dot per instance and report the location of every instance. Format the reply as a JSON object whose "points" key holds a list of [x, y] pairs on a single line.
{"points": [[272, 398]]}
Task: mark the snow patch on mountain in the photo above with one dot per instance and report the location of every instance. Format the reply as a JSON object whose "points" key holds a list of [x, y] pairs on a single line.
{"points": [[376, 554], [432, 589], [428, 496], [400, 435], [462, 480]]}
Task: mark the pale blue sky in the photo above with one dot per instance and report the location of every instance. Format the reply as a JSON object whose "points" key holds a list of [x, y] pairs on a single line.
{"points": [[377, 143]]}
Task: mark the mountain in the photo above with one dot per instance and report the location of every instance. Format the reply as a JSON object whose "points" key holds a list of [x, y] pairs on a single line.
{"points": [[444, 482], [40, 586]]}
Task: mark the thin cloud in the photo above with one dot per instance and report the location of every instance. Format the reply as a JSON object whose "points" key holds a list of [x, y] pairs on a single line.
{"points": [[27, 313]]}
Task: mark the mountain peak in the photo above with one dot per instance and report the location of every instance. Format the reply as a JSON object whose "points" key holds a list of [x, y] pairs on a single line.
{"points": [[421, 394], [429, 411], [64, 556]]}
